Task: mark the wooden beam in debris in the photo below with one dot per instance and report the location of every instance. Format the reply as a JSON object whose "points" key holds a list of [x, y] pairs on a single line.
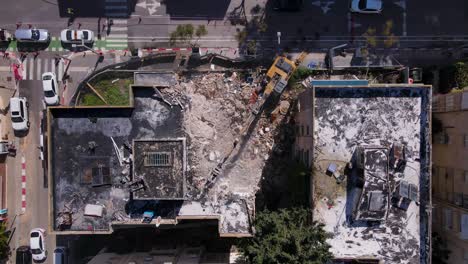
{"points": [[98, 94]]}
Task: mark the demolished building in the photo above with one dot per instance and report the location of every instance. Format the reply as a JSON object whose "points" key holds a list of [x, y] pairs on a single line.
{"points": [[368, 147], [152, 162]]}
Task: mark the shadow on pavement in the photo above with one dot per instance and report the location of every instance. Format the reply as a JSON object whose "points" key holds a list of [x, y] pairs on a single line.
{"points": [[32, 47], [96, 8], [201, 9]]}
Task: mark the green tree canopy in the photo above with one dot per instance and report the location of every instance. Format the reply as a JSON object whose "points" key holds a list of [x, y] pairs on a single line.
{"points": [[286, 236], [4, 247]]}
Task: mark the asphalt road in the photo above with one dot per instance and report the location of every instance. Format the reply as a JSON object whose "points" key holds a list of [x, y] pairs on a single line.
{"points": [[36, 210]]}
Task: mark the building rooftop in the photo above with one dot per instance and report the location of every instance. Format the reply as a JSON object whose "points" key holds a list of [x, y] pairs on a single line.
{"points": [[360, 130], [158, 154], [161, 165]]}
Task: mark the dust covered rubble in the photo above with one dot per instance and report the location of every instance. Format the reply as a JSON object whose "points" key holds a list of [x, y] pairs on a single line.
{"points": [[216, 107]]}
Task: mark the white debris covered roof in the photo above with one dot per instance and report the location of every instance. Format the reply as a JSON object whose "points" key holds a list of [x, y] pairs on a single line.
{"points": [[346, 118]]}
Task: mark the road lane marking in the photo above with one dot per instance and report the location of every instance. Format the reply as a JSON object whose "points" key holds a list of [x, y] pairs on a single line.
{"points": [[60, 73], [79, 69], [46, 66], [53, 67], [23, 69], [116, 45], [119, 28], [31, 69], [120, 22], [38, 68], [116, 40], [115, 36]]}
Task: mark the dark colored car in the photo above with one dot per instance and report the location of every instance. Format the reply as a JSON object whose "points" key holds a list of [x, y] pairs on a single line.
{"points": [[23, 255]]}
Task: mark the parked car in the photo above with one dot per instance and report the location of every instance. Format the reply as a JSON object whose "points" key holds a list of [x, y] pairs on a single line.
{"points": [[76, 36], [366, 6], [23, 255], [19, 113], [32, 35], [49, 84], [61, 255], [37, 244], [4, 35]]}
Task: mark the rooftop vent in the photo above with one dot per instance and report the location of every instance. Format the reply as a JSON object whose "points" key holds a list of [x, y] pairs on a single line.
{"points": [[158, 159]]}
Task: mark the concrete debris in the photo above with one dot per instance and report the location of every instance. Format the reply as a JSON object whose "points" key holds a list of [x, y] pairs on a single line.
{"points": [[216, 109]]}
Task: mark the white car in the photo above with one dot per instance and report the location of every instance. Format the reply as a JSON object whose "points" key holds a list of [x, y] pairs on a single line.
{"points": [[19, 113], [76, 36], [366, 6], [37, 244], [49, 84]]}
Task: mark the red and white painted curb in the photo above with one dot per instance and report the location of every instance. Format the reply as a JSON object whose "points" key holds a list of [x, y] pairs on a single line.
{"points": [[23, 184], [168, 49]]}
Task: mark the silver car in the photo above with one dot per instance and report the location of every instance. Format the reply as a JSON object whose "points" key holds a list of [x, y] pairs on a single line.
{"points": [[32, 35], [366, 6]]}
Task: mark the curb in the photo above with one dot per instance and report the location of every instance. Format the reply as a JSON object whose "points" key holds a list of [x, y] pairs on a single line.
{"points": [[23, 184]]}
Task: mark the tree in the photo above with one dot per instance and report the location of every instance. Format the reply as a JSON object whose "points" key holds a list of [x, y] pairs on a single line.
{"points": [[286, 236], [4, 247], [440, 252], [201, 31], [182, 33]]}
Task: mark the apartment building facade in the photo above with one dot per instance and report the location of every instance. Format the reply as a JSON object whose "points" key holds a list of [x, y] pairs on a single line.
{"points": [[450, 172]]}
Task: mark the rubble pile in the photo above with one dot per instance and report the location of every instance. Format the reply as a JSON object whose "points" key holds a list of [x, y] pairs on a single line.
{"points": [[216, 109]]}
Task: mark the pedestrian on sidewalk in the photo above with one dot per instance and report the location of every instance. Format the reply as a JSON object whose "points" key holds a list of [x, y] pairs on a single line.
{"points": [[139, 20], [79, 25]]}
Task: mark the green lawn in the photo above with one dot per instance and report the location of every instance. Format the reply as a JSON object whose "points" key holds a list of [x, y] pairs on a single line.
{"points": [[116, 94]]}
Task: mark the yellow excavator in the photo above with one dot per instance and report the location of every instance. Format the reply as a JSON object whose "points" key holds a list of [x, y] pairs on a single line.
{"points": [[276, 78]]}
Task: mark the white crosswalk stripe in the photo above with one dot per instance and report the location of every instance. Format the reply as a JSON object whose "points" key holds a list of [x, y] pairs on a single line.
{"points": [[118, 37], [34, 68]]}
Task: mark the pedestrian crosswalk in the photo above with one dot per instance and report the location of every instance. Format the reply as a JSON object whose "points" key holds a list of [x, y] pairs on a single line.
{"points": [[32, 69], [118, 37]]}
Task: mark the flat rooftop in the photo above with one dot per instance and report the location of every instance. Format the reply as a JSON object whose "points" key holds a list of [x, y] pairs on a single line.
{"points": [[86, 169], [360, 212], [153, 156]]}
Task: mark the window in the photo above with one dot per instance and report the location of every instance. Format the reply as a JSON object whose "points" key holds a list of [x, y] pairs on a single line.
{"points": [[308, 132], [158, 159], [53, 86], [307, 158], [465, 140], [447, 219], [21, 109], [302, 130], [464, 226]]}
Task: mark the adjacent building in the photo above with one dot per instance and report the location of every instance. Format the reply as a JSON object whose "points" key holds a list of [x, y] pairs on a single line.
{"points": [[369, 150], [450, 172]]}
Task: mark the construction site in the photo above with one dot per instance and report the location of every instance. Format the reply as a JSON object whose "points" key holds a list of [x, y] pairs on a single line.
{"points": [[189, 146]]}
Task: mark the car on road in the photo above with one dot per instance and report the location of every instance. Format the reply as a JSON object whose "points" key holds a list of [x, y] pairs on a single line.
{"points": [[5, 36], [23, 255], [19, 113], [49, 84], [32, 35], [61, 255], [76, 36], [37, 244], [366, 6]]}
